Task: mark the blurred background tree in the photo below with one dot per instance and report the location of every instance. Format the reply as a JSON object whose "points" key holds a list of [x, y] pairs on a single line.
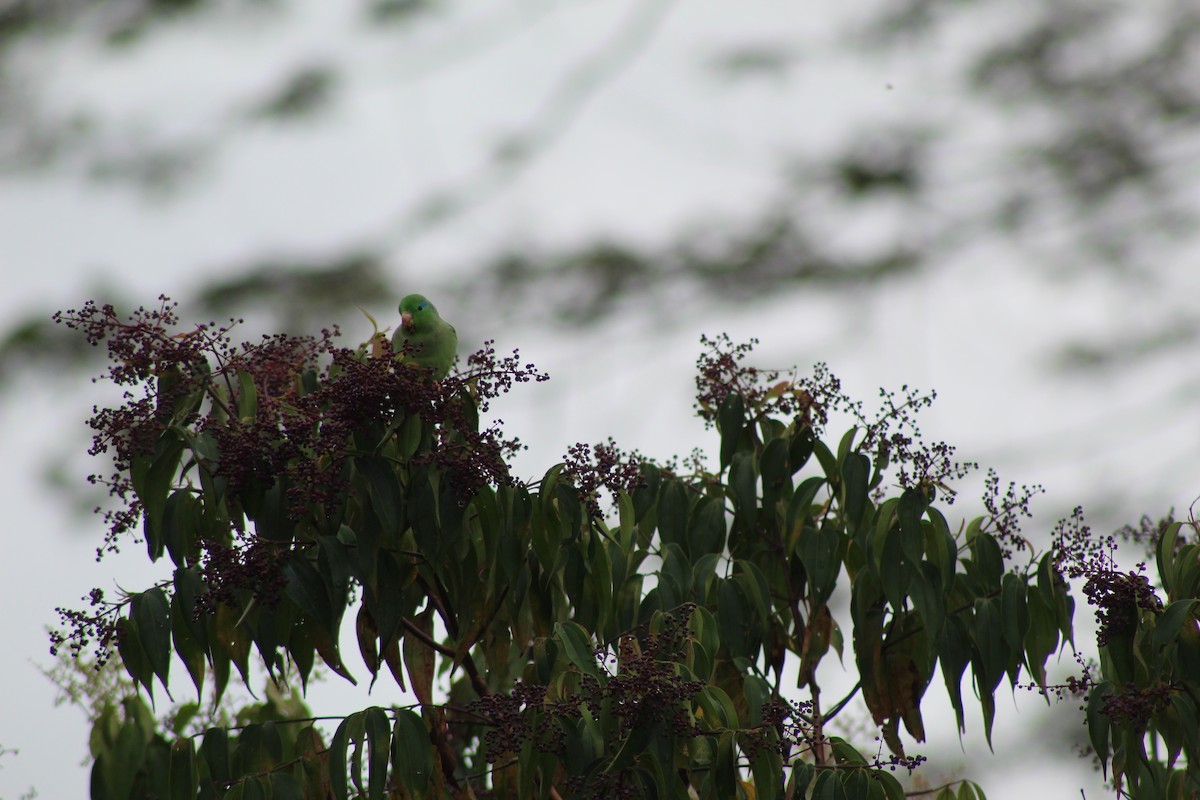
{"points": [[1064, 131]]}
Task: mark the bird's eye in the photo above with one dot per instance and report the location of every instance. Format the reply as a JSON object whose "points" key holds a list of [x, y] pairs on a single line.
{"points": [[420, 307]]}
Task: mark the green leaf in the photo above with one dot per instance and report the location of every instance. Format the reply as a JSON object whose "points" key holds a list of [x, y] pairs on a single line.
{"points": [[718, 710], [766, 765], [338, 761], [800, 448], [673, 512], [773, 469], [154, 486], [285, 787], [954, 653], [990, 660], [1165, 554], [214, 750], [928, 598], [730, 419], [1098, 723], [817, 550], [190, 651], [801, 502], [378, 748], [152, 612], [179, 521], [845, 753], [988, 562], [578, 647], [892, 789], [1015, 612], [419, 658], [386, 495], [307, 589], [829, 464], [856, 473], [707, 529], [133, 657], [412, 760], [247, 401], [185, 781], [743, 485], [912, 535], [731, 618], [1041, 640], [725, 771], [1170, 622]]}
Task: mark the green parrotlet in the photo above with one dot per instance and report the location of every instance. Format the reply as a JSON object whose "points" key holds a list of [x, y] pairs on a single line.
{"points": [[432, 341]]}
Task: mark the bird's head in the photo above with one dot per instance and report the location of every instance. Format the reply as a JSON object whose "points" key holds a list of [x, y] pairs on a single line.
{"points": [[416, 312]]}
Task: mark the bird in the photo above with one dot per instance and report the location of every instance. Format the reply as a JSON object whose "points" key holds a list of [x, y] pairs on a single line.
{"points": [[424, 338]]}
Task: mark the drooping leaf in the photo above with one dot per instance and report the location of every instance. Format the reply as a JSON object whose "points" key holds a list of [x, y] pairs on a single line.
{"points": [[152, 612]]}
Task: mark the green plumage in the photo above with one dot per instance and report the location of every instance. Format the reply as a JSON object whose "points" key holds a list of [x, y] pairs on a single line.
{"points": [[431, 341]]}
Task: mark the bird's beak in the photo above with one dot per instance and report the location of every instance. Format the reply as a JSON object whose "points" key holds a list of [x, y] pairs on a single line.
{"points": [[406, 320]]}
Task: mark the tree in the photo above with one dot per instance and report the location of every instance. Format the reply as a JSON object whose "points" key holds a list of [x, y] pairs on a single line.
{"points": [[669, 647]]}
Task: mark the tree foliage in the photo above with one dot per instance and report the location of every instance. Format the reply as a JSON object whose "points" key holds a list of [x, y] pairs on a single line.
{"points": [[671, 647]]}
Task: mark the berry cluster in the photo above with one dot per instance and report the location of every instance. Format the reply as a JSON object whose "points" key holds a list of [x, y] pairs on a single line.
{"points": [[520, 716], [100, 625], [1135, 707], [1006, 512], [254, 567], [720, 372], [1117, 597], [609, 469], [895, 437]]}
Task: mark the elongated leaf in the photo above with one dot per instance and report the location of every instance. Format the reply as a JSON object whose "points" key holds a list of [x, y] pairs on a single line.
{"points": [[856, 472], [988, 562], [379, 741], [133, 657], [187, 648], [817, 550], [954, 653], [419, 658], [307, 589], [152, 612], [578, 647], [773, 468], [725, 771], [1015, 612], [412, 760], [386, 494], [912, 536], [185, 781], [743, 484], [1170, 622], [214, 750], [285, 787], [717, 708], [673, 513], [730, 419], [732, 618], [707, 530], [179, 526], [1165, 554], [1098, 723], [928, 597], [338, 758]]}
